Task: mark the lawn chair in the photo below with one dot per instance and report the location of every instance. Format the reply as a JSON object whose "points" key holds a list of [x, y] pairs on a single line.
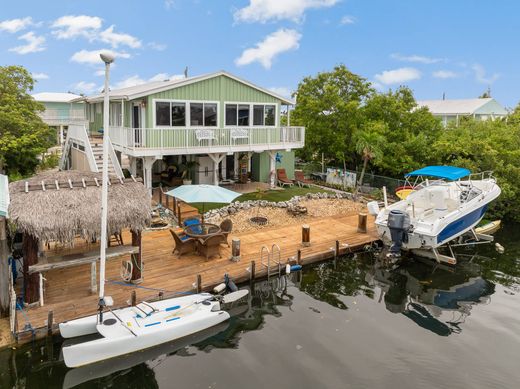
{"points": [[211, 246], [225, 227], [300, 179], [282, 178], [183, 243]]}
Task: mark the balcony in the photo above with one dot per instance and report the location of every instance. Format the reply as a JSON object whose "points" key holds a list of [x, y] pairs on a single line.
{"points": [[175, 141], [56, 117]]}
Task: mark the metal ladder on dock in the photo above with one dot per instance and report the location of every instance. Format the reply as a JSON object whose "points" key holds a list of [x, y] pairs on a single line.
{"points": [[275, 249]]}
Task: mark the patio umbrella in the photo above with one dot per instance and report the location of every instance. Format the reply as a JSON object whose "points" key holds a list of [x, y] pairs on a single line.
{"points": [[203, 194]]}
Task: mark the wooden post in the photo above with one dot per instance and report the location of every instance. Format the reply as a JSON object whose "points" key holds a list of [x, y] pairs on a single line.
{"points": [[337, 248], [50, 322], [235, 249], [30, 257], [4, 270], [199, 283], [253, 270], [306, 235], [133, 298], [299, 257], [362, 223], [179, 219], [137, 261]]}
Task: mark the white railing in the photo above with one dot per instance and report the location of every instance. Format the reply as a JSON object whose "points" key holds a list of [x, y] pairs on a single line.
{"points": [[63, 115], [204, 138]]}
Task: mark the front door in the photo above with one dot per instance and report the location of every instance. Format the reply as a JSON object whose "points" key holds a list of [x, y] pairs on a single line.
{"points": [[136, 124]]}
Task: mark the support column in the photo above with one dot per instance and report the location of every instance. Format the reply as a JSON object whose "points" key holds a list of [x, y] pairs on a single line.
{"points": [[272, 168], [236, 165], [62, 140], [249, 155], [216, 158], [31, 282], [147, 172], [133, 165], [4, 269], [137, 259]]}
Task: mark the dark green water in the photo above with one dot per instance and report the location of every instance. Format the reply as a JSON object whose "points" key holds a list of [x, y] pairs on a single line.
{"points": [[350, 324]]}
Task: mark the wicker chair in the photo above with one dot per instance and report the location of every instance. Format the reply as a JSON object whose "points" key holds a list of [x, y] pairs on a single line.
{"points": [[183, 246], [211, 246], [226, 227]]}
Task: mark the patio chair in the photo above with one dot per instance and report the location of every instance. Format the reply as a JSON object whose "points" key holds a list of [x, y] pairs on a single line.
{"points": [[282, 178], [300, 179], [226, 227], [183, 243], [211, 246]]}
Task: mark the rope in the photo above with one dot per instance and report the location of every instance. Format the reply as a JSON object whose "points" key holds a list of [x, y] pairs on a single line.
{"points": [[145, 288]]}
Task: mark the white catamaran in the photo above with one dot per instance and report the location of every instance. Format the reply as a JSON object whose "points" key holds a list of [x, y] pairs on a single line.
{"points": [[147, 324]]}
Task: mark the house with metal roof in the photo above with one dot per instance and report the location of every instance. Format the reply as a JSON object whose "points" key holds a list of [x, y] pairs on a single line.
{"points": [[230, 127], [452, 110], [61, 110]]}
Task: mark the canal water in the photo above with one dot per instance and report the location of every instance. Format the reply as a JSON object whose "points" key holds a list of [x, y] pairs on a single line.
{"points": [[350, 323]]}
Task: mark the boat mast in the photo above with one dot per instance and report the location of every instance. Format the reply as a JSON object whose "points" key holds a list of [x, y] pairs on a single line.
{"points": [[107, 59]]}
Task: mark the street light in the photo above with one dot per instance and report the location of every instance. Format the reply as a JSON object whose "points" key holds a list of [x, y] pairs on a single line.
{"points": [[107, 58]]}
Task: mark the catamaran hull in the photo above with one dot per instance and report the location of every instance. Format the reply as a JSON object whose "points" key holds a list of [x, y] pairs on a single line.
{"points": [[106, 348], [79, 327]]}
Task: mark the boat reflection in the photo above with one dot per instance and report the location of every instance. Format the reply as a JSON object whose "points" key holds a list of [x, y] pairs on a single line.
{"points": [[436, 297]]}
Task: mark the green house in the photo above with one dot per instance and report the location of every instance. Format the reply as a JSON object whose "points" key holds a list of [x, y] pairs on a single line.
{"points": [[228, 125]]}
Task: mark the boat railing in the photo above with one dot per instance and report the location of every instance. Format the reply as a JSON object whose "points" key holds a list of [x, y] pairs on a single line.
{"points": [[485, 175]]}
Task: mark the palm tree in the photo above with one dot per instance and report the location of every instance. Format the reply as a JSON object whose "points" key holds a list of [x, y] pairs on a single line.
{"points": [[368, 144]]}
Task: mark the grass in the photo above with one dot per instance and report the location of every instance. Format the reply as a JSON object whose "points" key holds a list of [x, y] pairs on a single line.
{"points": [[270, 195]]}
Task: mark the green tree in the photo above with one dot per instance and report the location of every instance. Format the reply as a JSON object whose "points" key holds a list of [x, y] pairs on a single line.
{"points": [[368, 144], [23, 135], [329, 106]]}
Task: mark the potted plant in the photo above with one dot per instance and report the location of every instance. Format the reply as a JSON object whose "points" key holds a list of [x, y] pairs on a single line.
{"points": [[187, 170]]}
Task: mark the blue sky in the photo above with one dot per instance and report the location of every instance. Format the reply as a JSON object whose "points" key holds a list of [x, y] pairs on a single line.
{"points": [[457, 47]]}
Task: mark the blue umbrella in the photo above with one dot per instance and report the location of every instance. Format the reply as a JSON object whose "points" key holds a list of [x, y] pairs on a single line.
{"points": [[203, 194]]}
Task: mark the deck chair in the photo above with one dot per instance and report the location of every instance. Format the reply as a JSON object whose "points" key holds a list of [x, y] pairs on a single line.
{"points": [[183, 244], [211, 246], [226, 227], [282, 178], [300, 179]]}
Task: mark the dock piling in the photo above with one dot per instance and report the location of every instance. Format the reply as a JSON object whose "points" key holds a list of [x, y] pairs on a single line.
{"points": [[199, 283], [133, 298], [306, 235], [253, 271], [337, 248], [50, 322], [362, 223], [299, 257]]}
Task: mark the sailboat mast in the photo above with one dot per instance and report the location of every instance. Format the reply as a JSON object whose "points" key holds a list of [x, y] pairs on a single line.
{"points": [[104, 187]]}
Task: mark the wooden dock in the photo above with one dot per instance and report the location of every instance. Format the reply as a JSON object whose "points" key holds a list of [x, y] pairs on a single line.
{"points": [[67, 290]]}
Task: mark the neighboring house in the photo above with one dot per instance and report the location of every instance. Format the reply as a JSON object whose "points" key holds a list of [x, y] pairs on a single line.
{"points": [[452, 110], [61, 111], [223, 122]]}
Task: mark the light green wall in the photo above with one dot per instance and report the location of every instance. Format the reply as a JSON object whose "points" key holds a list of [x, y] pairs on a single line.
{"points": [[260, 170], [64, 108], [490, 108]]}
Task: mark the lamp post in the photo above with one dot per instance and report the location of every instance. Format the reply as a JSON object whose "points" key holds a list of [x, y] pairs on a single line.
{"points": [[107, 59]]}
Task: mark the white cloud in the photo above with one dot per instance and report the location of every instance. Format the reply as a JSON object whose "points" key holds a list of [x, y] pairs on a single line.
{"points": [[15, 25], [157, 46], [444, 74], [92, 56], [137, 80], [34, 44], [416, 58], [169, 4], [281, 91], [266, 10], [85, 87], [397, 76], [273, 45], [40, 76], [347, 19], [72, 26], [481, 77], [115, 39]]}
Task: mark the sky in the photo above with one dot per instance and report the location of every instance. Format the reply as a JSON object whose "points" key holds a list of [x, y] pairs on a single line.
{"points": [[459, 48]]}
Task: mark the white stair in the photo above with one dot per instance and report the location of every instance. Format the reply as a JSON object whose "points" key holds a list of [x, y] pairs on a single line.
{"points": [[97, 150]]}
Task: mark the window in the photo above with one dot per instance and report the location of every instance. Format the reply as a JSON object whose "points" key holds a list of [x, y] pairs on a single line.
{"points": [[115, 114], [210, 115], [203, 114], [162, 114], [270, 115], [178, 114], [243, 115], [258, 115], [175, 114], [264, 115], [231, 114]]}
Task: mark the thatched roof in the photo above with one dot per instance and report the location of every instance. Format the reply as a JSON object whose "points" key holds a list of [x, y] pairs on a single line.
{"points": [[40, 209]]}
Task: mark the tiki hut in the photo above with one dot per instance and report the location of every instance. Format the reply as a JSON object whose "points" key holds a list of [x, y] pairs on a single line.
{"points": [[62, 205]]}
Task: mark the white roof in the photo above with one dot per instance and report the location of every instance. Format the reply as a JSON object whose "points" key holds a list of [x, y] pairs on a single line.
{"points": [[453, 107], [148, 88], [55, 97]]}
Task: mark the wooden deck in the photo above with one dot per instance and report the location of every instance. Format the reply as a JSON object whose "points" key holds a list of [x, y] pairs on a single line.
{"points": [[67, 290]]}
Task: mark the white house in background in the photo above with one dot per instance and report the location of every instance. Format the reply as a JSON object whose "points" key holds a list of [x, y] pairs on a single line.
{"points": [[61, 111], [451, 110]]}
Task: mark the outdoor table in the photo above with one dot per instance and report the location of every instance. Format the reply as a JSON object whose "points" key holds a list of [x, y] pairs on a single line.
{"points": [[203, 230]]}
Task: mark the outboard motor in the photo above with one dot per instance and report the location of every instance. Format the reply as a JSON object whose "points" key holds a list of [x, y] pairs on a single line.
{"points": [[398, 223]]}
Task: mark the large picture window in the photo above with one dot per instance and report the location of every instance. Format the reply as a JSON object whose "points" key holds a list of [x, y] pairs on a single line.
{"points": [[250, 114], [231, 115], [175, 114]]}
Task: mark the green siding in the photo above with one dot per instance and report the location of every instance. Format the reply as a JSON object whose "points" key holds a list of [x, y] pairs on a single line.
{"points": [[260, 170]]}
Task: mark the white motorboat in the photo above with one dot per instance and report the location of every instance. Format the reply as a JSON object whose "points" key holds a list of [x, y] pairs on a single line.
{"points": [[437, 211]]}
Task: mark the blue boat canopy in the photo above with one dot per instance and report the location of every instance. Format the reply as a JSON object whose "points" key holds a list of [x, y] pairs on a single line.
{"points": [[447, 172]]}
